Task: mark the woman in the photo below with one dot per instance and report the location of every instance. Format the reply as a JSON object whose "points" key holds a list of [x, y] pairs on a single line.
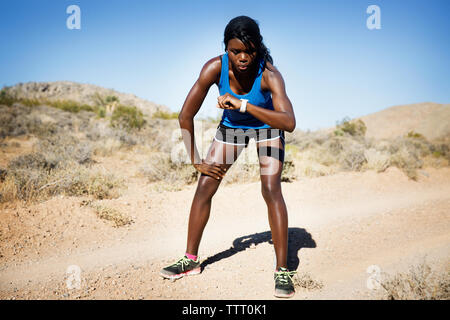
{"points": [[252, 94]]}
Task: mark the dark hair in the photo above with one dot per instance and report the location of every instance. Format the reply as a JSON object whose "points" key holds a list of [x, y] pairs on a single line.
{"points": [[247, 30]]}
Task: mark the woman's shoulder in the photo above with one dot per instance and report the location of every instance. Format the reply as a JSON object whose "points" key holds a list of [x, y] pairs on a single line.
{"points": [[212, 68], [270, 74]]}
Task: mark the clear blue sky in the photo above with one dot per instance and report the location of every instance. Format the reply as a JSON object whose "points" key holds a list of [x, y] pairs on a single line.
{"points": [[333, 65]]}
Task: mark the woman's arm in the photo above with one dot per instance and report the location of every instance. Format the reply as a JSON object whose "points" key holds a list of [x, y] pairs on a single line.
{"points": [[282, 117], [208, 76]]}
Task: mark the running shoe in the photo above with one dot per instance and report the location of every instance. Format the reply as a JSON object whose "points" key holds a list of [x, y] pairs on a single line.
{"points": [[284, 286], [181, 268]]}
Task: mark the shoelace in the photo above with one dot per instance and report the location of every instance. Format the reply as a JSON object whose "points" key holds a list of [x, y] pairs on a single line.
{"points": [[284, 276], [183, 262]]}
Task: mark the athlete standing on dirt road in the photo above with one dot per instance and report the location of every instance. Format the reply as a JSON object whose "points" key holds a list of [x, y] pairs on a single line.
{"points": [[255, 103]]}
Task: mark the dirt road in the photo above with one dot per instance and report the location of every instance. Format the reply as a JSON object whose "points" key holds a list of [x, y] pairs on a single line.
{"points": [[340, 225]]}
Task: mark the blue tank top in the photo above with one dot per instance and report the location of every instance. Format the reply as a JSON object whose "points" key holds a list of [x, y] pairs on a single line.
{"points": [[257, 97]]}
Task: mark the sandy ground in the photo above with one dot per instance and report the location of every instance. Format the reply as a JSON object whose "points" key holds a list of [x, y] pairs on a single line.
{"points": [[340, 225]]}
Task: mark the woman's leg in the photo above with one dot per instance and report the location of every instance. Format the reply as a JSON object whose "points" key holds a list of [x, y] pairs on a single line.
{"points": [[271, 158], [219, 153]]}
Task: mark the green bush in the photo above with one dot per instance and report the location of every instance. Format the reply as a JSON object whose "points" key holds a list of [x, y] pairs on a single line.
{"points": [[127, 117], [101, 112], [103, 102], [416, 135], [351, 127], [111, 99], [6, 98]]}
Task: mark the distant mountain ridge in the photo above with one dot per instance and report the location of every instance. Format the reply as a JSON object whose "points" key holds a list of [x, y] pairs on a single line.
{"points": [[80, 92], [430, 119]]}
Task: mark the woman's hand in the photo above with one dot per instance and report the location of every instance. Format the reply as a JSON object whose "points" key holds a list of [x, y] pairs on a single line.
{"points": [[228, 101], [211, 169]]}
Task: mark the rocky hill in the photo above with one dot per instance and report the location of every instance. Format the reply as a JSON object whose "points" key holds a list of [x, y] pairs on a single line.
{"points": [[429, 119], [80, 92]]}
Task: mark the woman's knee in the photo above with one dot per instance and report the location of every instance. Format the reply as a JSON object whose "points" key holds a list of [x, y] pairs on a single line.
{"points": [[271, 191], [207, 186]]}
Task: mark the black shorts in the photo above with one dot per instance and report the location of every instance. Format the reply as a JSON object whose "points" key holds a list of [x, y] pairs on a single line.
{"points": [[241, 137]]}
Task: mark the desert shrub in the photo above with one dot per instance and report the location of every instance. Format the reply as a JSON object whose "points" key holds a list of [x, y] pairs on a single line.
{"points": [[68, 105], [42, 121], [288, 172], [412, 134], [304, 281], [351, 127], [161, 168], [436, 154], [291, 150], [100, 132], [98, 99], [334, 146], [30, 178], [111, 99], [58, 166], [377, 160], [119, 219], [6, 98], [440, 155], [62, 148], [127, 118], [308, 140], [419, 283], [14, 121], [422, 145], [166, 115], [101, 112], [353, 159], [316, 154], [3, 173], [103, 101], [442, 150], [344, 152], [347, 148], [407, 161], [405, 154], [106, 147], [8, 189], [82, 181]]}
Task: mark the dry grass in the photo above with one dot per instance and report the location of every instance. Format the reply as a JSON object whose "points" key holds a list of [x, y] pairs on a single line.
{"points": [[165, 174], [30, 182], [60, 164], [420, 283], [347, 149], [166, 115], [304, 281], [118, 218]]}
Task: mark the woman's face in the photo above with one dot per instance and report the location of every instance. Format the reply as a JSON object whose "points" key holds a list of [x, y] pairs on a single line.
{"points": [[241, 57]]}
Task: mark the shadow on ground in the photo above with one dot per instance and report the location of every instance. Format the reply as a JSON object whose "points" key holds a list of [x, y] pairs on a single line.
{"points": [[298, 238]]}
